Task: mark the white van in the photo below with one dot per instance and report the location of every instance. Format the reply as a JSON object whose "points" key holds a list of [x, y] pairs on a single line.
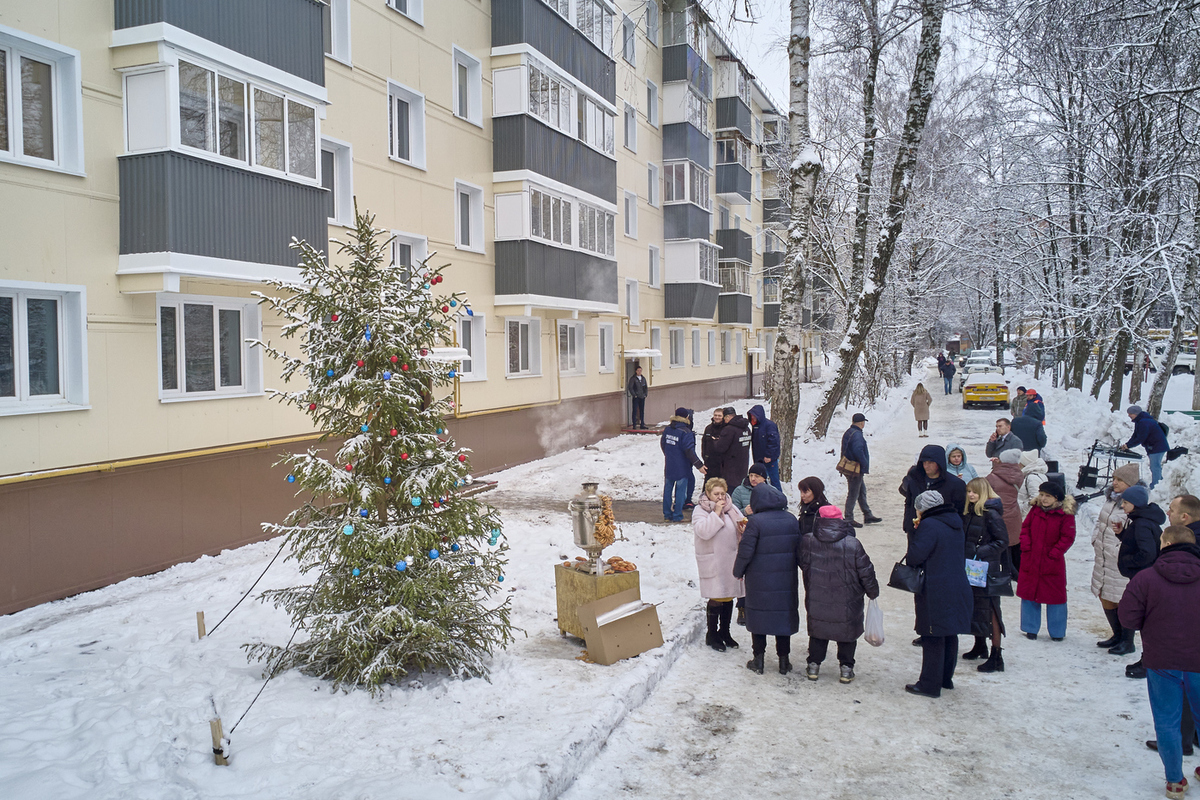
{"points": [[1185, 361]]}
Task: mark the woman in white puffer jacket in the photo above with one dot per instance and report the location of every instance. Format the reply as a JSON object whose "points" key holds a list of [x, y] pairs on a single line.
{"points": [[1034, 472], [1107, 582]]}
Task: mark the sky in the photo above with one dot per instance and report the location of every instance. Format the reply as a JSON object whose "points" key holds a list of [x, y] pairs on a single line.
{"points": [[762, 43]]}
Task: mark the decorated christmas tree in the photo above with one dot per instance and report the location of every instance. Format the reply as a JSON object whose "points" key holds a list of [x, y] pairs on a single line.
{"points": [[402, 567]]}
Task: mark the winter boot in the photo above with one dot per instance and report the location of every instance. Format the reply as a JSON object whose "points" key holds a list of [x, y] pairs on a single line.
{"points": [[726, 614], [713, 637], [1117, 629], [1125, 646], [785, 664], [846, 673], [756, 664], [978, 651], [741, 617], [995, 662], [813, 670], [1136, 670]]}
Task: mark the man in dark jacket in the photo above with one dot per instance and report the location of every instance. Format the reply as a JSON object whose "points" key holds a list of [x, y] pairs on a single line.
{"points": [[944, 605], [1031, 433], [1149, 434], [691, 483], [1164, 603], [1034, 406], [733, 447], [854, 448], [1139, 547], [929, 474], [708, 441], [637, 390], [1002, 439], [764, 444], [947, 369], [767, 559], [678, 444]]}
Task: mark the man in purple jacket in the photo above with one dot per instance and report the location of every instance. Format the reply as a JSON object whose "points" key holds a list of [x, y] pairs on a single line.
{"points": [[1164, 603]]}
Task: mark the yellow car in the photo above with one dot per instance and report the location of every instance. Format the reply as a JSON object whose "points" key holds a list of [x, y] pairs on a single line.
{"points": [[985, 388]]}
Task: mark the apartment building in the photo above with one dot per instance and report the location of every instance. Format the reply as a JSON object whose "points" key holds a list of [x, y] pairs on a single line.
{"points": [[591, 172]]}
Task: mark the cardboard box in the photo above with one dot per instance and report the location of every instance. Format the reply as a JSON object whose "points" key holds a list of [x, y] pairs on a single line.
{"points": [[620, 626], [574, 589]]}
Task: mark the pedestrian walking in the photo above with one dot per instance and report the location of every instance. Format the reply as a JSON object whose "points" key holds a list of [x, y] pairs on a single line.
{"points": [[715, 523], [956, 463], [1164, 603], [854, 450], [733, 446], [678, 445], [930, 474], [764, 444], [812, 500], [1149, 434], [1108, 583], [1002, 439], [767, 558], [637, 389], [1034, 472], [1006, 479], [986, 540], [943, 606], [1046, 534], [837, 575], [947, 369], [1139, 535], [920, 400]]}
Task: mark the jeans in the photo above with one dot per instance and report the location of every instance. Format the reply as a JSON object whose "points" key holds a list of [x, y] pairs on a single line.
{"points": [[639, 412], [773, 473], [947, 381], [818, 648], [1156, 460], [1056, 618], [1166, 690], [678, 491], [856, 491], [939, 655]]}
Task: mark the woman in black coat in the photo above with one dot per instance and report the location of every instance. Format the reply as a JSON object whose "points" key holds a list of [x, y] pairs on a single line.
{"points": [[812, 498], [986, 540], [944, 605], [767, 559]]}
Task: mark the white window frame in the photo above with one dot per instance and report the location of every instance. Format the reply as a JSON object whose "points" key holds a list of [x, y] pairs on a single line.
{"points": [[72, 348], [629, 123], [652, 22], [339, 30], [675, 337], [478, 349], [629, 40], [656, 344], [632, 303], [540, 77], [631, 214], [251, 357], [66, 97], [655, 267], [758, 293], [604, 243], [416, 125], [739, 347], [413, 9], [726, 346], [712, 348], [343, 183], [605, 331], [695, 347], [576, 333], [472, 93], [474, 225], [418, 246], [598, 128], [533, 335], [652, 183], [595, 20], [544, 230], [652, 101]]}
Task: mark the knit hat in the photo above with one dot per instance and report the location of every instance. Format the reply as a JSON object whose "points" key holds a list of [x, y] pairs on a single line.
{"points": [[1011, 456], [1134, 410], [1130, 473], [927, 500], [681, 412], [1138, 496], [759, 470], [1020, 390], [830, 512], [1054, 490], [1027, 457]]}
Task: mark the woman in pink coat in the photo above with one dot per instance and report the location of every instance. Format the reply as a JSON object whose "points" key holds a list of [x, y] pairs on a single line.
{"points": [[717, 524]]}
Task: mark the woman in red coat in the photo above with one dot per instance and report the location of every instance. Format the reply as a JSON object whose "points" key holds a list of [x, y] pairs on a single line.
{"points": [[1046, 535]]}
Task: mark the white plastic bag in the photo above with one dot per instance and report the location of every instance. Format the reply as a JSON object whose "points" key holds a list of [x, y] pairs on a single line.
{"points": [[874, 627]]}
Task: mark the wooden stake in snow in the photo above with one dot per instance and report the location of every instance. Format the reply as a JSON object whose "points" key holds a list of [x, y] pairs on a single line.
{"points": [[200, 632], [220, 744]]}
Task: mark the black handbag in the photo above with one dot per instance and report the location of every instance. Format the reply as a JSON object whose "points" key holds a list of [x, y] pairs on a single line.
{"points": [[999, 577], [907, 578]]}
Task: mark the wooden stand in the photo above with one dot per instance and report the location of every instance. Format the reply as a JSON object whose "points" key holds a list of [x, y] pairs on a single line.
{"points": [[217, 735], [575, 588], [201, 630]]}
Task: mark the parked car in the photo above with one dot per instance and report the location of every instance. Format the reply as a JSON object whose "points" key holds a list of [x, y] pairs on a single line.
{"points": [[973, 368], [1185, 361], [985, 389]]}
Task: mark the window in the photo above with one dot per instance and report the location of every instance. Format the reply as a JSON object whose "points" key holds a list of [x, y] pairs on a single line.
{"points": [[723, 217], [522, 341], [629, 41], [606, 347], [40, 103], [698, 186], [550, 217], [413, 9], [408, 249], [202, 347], [406, 125], [595, 21], [212, 117], [725, 342], [563, 7], [596, 230], [697, 112], [631, 214], [709, 271], [712, 348], [549, 97], [656, 344], [596, 126], [758, 193], [468, 217], [675, 182], [468, 88], [652, 102], [695, 347], [652, 184], [758, 294], [43, 348], [733, 150], [335, 27], [738, 347], [631, 302], [652, 22], [336, 170], [686, 26], [630, 127], [770, 348], [684, 181], [655, 268], [770, 290], [571, 348], [676, 338], [472, 338]]}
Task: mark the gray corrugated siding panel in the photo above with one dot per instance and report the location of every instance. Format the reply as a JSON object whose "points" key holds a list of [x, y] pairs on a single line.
{"points": [[733, 113], [283, 33], [522, 142], [685, 221], [775, 210], [772, 260], [681, 140], [735, 244], [734, 309], [532, 22], [770, 315], [528, 267], [682, 63], [733, 179], [690, 300], [171, 202]]}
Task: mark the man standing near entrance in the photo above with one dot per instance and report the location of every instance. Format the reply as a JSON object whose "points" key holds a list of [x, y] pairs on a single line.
{"points": [[854, 448], [637, 390]]}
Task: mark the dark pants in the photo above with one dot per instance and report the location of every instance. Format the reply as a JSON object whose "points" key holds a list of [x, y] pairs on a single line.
{"points": [[758, 642], [938, 658], [1014, 553], [639, 412], [691, 486], [817, 648], [856, 491]]}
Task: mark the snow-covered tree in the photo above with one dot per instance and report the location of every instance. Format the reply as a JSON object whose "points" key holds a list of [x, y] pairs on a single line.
{"points": [[403, 566]]}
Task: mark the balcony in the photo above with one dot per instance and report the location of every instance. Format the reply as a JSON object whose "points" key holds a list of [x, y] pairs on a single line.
{"points": [[772, 260], [685, 221], [531, 22], [522, 142], [690, 301], [734, 184], [776, 211], [683, 141], [681, 63], [735, 309], [770, 315], [735, 244], [734, 115], [734, 278], [529, 271], [771, 290]]}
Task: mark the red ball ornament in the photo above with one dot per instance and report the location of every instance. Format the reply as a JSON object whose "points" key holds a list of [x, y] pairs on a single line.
{"points": [[404, 456], [462, 458], [404, 367], [424, 352], [445, 309], [333, 317], [359, 363], [393, 431], [394, 359], [312, 406], [349, 468], [436, 504], [439, 280]]}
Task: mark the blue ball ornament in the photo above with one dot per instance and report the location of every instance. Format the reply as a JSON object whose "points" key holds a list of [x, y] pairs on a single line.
{"points": [[387, 376], [452, 373], [401, 566], [362, 512], [364, 429], [454, 548], [348, 530], [427, 286], [440, 431], [453, 303], [500, 578], [428, 324], [471, 562], [416, 501], [328, 373], [291, 478], [492, 542], [433, 554], [355, 572], [387, 481]]}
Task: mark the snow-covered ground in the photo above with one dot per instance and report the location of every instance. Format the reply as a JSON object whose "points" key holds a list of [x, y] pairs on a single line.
{"points": [[108, 694]]}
